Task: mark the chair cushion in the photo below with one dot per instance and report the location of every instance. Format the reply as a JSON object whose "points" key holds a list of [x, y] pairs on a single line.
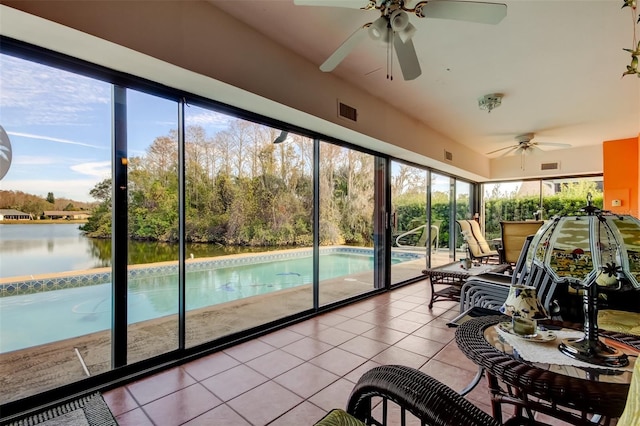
{"points": [[338, 417], [493, 278], [472, 234], [619, 321], [631, 414], [514, 234]]}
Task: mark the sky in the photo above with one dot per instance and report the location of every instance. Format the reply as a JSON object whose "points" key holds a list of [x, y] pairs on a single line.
{"points": [[59, 127]]}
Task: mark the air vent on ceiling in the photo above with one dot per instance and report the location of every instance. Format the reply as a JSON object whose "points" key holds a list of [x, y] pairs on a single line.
{"points": [[348, 112], [549, 166], [448, 155]]}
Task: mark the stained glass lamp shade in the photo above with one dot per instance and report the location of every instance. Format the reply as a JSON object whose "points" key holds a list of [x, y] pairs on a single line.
{"points": [[588, 252]]}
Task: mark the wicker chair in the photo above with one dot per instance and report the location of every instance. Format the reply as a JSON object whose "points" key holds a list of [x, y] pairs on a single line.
{"points": [[414, 392]]}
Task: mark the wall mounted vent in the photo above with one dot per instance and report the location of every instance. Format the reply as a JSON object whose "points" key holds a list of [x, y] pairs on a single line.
{"points": [[448, 155], [549, 166], [347, 112]]}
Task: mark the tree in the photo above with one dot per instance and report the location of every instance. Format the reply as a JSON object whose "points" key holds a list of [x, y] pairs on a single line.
{"points": [[50, 198]]}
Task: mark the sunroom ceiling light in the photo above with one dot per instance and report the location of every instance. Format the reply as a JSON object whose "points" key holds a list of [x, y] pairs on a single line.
{"points": [[490, 102]]}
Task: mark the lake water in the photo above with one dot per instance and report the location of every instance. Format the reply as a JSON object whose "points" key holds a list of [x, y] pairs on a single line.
{"points": [[45, 248], [33, 249]]}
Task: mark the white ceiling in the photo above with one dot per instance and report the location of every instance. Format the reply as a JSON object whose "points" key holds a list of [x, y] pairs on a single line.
{"points": [[558, 63]]}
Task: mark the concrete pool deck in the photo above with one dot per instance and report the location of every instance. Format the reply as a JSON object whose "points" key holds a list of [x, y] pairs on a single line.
{"points": [[37, 369]]}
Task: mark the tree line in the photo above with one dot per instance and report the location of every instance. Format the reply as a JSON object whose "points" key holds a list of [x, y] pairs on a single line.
{"points": [[35, 205], [242, 189]]}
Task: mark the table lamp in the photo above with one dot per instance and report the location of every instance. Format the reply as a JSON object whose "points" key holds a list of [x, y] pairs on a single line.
{"points": [[523, 306], [588, 251]]}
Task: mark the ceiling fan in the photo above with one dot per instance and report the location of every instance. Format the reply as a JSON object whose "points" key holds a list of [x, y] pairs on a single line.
{"points": [[394, 29], [526, 145]]}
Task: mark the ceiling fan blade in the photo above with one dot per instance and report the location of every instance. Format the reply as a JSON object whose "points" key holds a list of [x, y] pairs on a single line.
{"points": [[351, 4], [341, 52], [483, 13], [513, 149], [502, 149], [559, 145], [407, 58]]}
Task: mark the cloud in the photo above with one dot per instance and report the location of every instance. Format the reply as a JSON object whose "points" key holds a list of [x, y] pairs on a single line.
{"points": [[35, 94], [99, 169], [48, 138], [208, 118]]}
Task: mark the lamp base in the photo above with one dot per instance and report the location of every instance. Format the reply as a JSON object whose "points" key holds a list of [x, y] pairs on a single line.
{"points": [[593, 352]]}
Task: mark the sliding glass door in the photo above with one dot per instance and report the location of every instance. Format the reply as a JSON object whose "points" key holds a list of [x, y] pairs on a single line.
{"points": [[55, 277], [441, 193], [413, 238], [346, 229], [152, 225]]}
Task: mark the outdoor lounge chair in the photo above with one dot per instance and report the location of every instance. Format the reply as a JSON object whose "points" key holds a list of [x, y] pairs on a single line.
{"points": [[477, 246], [489, 290]]}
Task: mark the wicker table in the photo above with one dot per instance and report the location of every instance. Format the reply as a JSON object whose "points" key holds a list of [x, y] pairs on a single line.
{"points": [[454, 275], [571, 394]]}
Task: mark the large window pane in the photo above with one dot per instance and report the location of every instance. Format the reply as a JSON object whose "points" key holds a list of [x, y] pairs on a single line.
{"points": [[568, 195], [413, 239], [55, 281], [509, 201], [249, 224], [152, 298], [441, 211], [346, 222]]}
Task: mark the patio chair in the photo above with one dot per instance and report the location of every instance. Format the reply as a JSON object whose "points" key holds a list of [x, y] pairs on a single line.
{"points": [[415, 392], [490, 290], [477, 246], [513, 236]]}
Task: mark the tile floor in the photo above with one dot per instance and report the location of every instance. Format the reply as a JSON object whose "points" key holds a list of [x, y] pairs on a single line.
{"points": [[295, 375]]}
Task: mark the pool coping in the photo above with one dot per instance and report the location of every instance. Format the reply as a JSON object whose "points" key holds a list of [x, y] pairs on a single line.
{"points": [[21, 285]]}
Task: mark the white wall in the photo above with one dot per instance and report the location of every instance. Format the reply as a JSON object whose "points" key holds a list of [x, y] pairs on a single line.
{"points": [[575, 161]]}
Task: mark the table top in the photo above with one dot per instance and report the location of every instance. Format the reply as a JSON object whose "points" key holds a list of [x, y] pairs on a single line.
{"points": [[593, 390], [455, 269]]}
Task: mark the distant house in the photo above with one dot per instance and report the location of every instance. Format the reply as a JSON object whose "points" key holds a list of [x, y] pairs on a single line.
{"points": [[11, 214], [61, 214]]}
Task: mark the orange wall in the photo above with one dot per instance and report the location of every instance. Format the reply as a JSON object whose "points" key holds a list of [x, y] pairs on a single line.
{"points": [[621, 175]]}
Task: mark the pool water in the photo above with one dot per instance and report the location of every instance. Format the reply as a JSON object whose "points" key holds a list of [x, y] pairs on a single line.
{"points": [[34, 319]]}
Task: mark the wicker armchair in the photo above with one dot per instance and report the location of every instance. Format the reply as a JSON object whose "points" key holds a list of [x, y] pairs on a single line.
{"points": [[416, 393]]}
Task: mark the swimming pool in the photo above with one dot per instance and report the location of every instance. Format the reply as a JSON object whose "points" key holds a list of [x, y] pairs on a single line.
{"points": [[47, 316]]}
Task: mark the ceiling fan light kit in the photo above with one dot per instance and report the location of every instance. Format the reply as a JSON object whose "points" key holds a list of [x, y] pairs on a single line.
{"points": [[378, 28], [490, 102], [394, 21]]}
